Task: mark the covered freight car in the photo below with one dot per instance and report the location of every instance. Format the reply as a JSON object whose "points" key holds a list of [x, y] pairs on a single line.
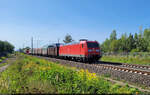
{"points": [[53, 50], [44, 50], [39, 51]]}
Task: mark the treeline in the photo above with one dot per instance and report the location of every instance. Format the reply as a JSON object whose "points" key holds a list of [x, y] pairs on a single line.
{"points": [[139, 42], [5, 48]]}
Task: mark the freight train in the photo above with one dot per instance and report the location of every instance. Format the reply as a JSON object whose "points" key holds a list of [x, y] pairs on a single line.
{"points": [[83, 51]]}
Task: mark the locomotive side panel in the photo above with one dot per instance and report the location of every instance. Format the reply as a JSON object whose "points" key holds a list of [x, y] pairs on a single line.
{"points": [[71, 51]]}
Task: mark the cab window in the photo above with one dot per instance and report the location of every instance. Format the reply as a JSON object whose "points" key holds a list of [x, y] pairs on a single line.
{"points": [[92, 45]]}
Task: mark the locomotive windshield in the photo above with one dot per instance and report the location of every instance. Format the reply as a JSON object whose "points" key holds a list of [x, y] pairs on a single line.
{"points": [[92, 45]]}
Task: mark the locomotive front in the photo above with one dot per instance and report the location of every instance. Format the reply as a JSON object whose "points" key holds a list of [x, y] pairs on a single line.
{"points": [[93, 51]]}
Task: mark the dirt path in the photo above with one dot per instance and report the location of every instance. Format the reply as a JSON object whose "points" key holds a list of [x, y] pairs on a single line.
{"points": [[3, 67], [9, 61]]}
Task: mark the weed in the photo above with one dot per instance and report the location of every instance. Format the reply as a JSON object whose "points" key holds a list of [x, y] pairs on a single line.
{"points": [[125, 59], [0, 60], [3, 58]]}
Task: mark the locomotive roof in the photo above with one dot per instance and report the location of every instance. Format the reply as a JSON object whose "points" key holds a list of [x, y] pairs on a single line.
{"points": [[82, 41], [63, 44], [71, 43]]}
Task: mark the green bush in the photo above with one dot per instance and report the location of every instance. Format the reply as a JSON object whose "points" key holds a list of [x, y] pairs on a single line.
{"points": [[3, 58]]}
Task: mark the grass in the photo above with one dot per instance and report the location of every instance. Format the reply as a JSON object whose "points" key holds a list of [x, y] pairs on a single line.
{"points": [[33, 75], [6, 62], [1, 59], [3, 64], [127, 59]]}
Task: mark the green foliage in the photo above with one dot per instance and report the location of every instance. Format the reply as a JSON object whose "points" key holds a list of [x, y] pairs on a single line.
{"points": [[147, 34], [3, 64], [114, 45], [0, 60], [130, 41], [132, 58], [68, 39], [3, 58], [33, 75], [147, 37], [105, 47], [5, 47], [113, 35], [123, 43], [139, 42]]}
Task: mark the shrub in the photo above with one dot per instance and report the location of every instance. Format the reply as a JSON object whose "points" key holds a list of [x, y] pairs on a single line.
{"points": [[3, 58]]}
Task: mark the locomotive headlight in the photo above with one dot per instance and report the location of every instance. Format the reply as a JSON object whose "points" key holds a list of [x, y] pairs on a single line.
{"points": [[89, 50], [97, 50]]}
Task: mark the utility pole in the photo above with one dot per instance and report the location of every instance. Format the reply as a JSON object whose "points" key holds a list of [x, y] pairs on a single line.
{"points": [[37, 43], [32, 44], [23, 45], [58, 40]]}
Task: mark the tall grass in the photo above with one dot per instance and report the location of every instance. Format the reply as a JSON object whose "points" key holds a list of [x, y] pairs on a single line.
{"points": [[33, 75], [127, 59], [2, 58]]}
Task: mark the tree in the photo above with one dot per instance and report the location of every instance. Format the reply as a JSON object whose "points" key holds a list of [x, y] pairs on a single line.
{"points": [[68, 39], [147, 37], [142, 44], [113, 35], [105, 47], [139, 43], [5, 47], [114, 46], [141, 31], [147, 34], [123, 43], [130, 43]]}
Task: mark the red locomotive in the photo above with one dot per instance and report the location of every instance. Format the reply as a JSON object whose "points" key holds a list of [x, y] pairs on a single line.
{"points": [[85, 51]]}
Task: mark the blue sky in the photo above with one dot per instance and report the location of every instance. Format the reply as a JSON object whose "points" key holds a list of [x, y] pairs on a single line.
{"points": [[48, 20]]}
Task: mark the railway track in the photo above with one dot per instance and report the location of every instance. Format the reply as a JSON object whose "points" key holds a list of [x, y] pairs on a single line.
{"points": [[123, 69], [142, 67]]}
